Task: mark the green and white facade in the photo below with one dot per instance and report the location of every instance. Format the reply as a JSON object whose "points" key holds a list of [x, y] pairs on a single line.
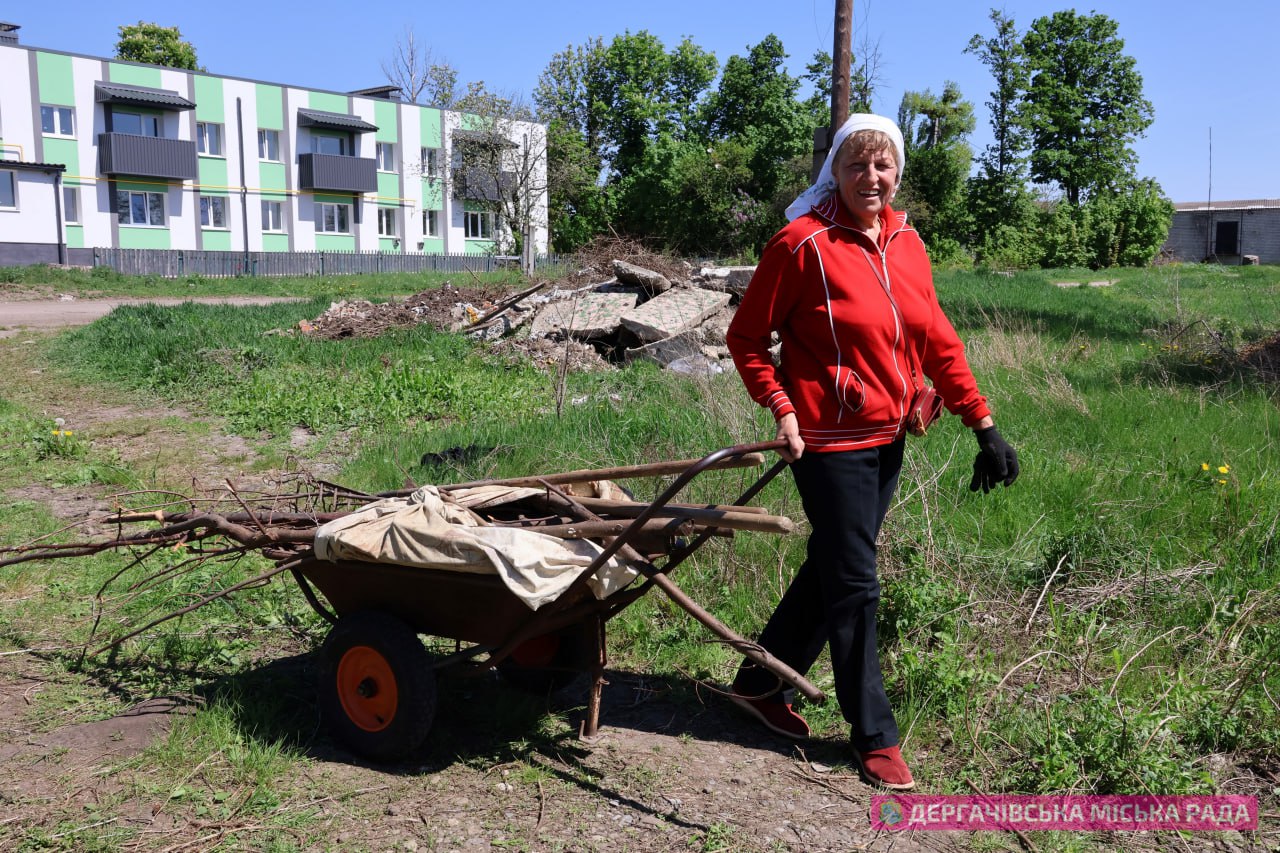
{"points": [[160, 158]]}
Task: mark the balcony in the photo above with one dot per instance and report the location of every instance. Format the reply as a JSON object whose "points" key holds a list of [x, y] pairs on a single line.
{"points": [[147, 157], [478, 184], [337, 173]]}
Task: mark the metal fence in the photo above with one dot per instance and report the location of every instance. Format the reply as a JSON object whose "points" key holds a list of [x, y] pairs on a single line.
{"points": [[178, 263]]}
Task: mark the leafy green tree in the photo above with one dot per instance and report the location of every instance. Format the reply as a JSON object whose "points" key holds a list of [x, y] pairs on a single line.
{"points": [[1083, 105], [935, 129], [156, 45], [1003, 55], [756, 105]]}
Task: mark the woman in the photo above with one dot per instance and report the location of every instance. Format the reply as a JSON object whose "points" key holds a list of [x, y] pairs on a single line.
{"points": [[848, 288]]}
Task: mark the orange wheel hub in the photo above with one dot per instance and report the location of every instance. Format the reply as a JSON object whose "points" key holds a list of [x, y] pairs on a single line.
{"points": [[367, 688]]}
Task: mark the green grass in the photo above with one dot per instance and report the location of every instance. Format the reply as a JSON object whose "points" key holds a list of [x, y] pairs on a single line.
{"points": [[1104, 626], [103, 281]]}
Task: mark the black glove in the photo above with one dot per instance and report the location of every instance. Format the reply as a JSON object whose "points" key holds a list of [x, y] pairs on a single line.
{"points": [[996, 461]]}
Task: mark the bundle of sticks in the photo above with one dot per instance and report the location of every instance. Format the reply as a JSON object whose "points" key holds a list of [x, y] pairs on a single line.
{"points": [[223, 525]]}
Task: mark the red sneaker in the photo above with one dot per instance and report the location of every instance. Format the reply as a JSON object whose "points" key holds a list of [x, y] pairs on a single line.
{"points": [[777, 717], [885, 768]]}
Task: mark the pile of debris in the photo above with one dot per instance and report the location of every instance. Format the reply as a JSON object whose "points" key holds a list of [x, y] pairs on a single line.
{"points": [[663, 312]]}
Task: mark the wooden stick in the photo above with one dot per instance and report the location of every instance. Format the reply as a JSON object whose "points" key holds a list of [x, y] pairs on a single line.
{"points": [[717, 517], [605, 528], [651, 469]]}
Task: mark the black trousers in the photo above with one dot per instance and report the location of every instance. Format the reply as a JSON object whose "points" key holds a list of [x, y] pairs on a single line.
{"points": [[834, 595]]}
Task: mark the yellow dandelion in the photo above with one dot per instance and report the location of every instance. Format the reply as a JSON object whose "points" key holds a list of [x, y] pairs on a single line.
{"points": [[1222, 482], [67, 432], [1222, 469], [1204, 466]]}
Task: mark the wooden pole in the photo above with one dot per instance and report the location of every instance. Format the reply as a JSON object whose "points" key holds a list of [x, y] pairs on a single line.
{"points": [[840, 60]]}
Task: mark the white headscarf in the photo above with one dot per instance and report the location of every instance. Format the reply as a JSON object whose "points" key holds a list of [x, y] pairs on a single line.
{"points": [[826, 183]]}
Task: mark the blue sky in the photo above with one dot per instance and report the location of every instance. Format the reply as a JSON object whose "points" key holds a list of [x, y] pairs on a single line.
{"points": [[1205, 65]]}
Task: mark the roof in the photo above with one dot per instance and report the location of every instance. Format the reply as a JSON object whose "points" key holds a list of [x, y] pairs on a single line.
{"points": [[1247, 204], [390, 93], [140, 96], [334, 121], [32, 167]]}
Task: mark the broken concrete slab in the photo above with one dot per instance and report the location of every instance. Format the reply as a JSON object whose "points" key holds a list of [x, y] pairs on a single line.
{"points": [[651, 281], [668, 350], [672, 313], [732, 279], [585, 316]]}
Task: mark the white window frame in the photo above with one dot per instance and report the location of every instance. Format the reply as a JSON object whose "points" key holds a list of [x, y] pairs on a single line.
{"points": [[213, 208], [387, 222], [343, 144], [70, 205], [12, 177], [209, 138], [148, 198], [62, 118], [480, 221], [430, 223], [340, 212], [145, 121], [269, 144], [431, 163], [385, 153], [268, 207]]}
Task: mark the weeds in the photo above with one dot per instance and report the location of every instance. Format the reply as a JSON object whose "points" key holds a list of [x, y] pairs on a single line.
{"points": [[1105, 626]]}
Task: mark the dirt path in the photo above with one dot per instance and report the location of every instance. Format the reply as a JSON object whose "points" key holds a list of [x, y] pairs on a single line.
{"points": [[19, 314], [673, 769]]}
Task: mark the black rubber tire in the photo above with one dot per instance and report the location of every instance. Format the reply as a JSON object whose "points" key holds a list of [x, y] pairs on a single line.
{"points": [[399, 657], [550, 669]]}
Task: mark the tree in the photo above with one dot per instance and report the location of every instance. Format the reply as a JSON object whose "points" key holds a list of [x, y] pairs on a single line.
{"points": [[419, 77], [935, 129], [1083, 105], [1003, 55], [156, 45], [756, 105], [499, 162], [1002, 209]]}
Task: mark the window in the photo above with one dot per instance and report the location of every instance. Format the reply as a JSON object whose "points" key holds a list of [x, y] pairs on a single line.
{"points": [[269, 145], [56, 120], [70, 204], [135, 124], [213, 211], [140, 208], [272, 216], [333, 218], [386, 154], [431, 163], [209, 138], [386, 222], [8, 191], [478, 225], [329, 144], [430, 223], [1226, 238]]}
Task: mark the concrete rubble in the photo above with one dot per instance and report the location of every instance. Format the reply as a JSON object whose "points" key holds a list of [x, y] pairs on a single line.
{"points": [[678, 322], [674, 316]]}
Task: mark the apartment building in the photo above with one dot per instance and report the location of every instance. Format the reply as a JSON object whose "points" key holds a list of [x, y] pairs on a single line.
{"points": [[102, 153]]}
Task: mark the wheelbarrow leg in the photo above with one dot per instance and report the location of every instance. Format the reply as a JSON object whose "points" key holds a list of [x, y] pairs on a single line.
{"points": [[591, 725]]}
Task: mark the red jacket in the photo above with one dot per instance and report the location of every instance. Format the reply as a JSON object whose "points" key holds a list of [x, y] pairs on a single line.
{"points": [[824, 287]]}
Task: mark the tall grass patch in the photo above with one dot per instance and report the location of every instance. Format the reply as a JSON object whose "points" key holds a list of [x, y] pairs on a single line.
{"points": [[1105, 625]]}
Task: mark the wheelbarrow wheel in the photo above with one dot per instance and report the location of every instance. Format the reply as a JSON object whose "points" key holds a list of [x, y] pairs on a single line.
{"points": [[544, 664], [377, 688]]}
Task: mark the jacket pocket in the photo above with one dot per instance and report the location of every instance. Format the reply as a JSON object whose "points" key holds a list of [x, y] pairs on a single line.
{"points": [[850, 390]]}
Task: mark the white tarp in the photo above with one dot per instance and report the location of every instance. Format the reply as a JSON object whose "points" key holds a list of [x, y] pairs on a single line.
{"points": [[434, 532]]}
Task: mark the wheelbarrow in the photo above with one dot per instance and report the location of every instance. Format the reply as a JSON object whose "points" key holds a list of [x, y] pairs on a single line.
{"points": [[377, 682]]}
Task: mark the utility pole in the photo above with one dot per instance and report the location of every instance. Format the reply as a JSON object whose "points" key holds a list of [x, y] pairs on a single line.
{"points": [[840, 59]]}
